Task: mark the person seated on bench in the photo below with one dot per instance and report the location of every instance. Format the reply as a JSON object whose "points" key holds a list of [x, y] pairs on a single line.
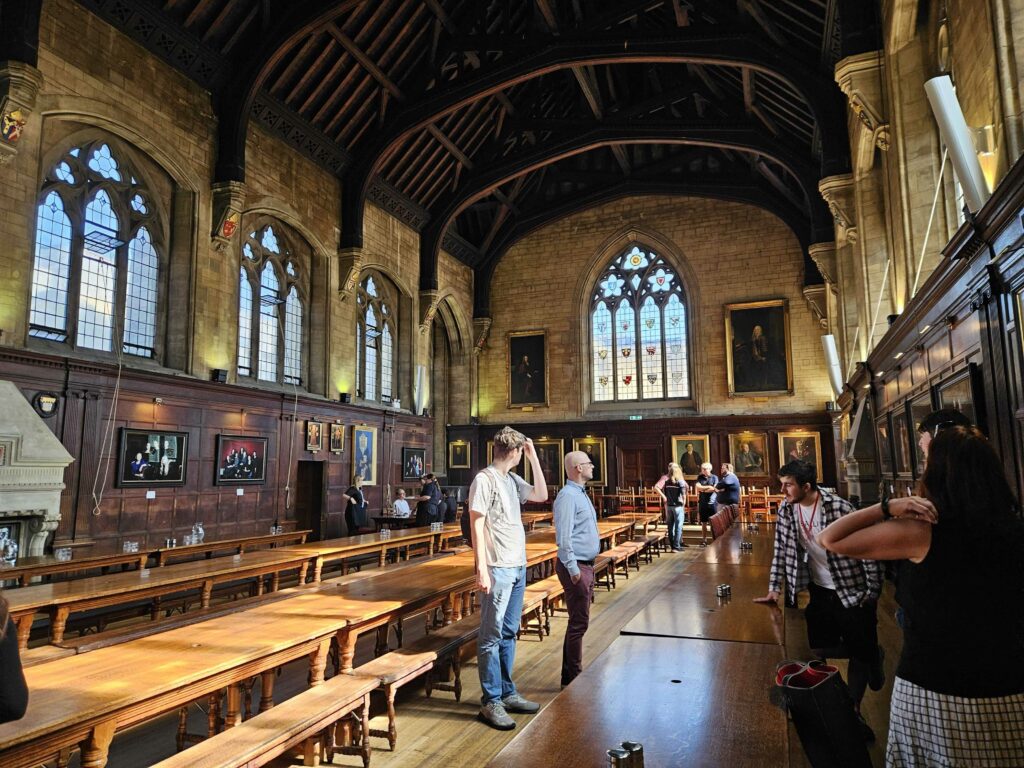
{"points": [[401, 505], [499, 544], [13, 691], [578, 544]]}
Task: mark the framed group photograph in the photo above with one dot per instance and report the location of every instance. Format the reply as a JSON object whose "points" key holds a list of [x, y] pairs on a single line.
{"points": [[551, 455], [690, 451], [596, 449], [805, 446], [314, 436], [241, 460], [413, 462], [748, 453], [527, 369], [364, 454], [150, 457], [757, 347], [337, 442], [458, 455]]}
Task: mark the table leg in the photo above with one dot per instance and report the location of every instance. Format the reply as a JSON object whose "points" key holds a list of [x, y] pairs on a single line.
{"points": [[267, 689], [447, 609], [364, 718], [456, 607], [275, 581], [260, 587], [466, 604], [318, 568], [303, 571], [318, 662], [382, 640], [24, 629], [95, 746], [233, 713], [347, 649], [430, 547], [204, 601], [59, 623], [382, 559]]}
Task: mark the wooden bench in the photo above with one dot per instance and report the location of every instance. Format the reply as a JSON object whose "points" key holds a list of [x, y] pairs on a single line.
{"points": [[651, 543], [305, 720], [621, 555], [237, 546], [396, 668], [604, 574]]}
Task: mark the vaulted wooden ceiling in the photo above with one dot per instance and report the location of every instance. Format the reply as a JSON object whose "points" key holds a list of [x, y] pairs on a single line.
{"points": [[477, 121]]}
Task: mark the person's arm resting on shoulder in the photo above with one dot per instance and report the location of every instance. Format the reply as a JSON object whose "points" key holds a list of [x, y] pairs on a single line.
{"points": [[867, 534]]}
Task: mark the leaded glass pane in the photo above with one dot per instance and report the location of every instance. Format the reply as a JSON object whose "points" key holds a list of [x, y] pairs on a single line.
{"points": [[651, 350], [359, 359], [99, 274], [293, 338], [386, 364], [50, 271], [139, 204], [141, 296], [371, 373], [269, 324], [371, 287], [103, 162], [625, 334], [63, 172], [269, 240], [677, 364], [244, 324], [603, 355]]}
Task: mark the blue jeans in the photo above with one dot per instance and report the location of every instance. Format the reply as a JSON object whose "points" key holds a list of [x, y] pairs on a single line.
{"points": [[500, 612], [676, 516]]}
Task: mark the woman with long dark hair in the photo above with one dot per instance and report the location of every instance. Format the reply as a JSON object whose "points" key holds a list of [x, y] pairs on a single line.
{"points": [[958, 697], [13, 691]]}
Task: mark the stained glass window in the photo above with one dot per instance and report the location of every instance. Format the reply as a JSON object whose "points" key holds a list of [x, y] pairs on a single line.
{"points": [[276, 330], [638, 336], [375, 340], [97, 266]]}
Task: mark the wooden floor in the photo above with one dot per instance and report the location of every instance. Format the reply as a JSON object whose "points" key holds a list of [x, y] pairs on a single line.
{"points": [[439, 731]]}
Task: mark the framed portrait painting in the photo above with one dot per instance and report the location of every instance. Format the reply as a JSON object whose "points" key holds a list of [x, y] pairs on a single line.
{"points": [[748, 453], [364, 453], [241, 460], [902, 451], [757, 346], [920, 407], [957, 393], [150, 457], [551, 455], [458, 455], [413, 462], [805, 446], [527, 369], [337, 441], [314, 436], [883, 439], [596, 449], [690, 451]]}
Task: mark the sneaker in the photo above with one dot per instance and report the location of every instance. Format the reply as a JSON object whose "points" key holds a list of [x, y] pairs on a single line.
{"points": [[677, 549], [516, 703], [876, 675], [494, 714], [865, 730], [683, 545]]}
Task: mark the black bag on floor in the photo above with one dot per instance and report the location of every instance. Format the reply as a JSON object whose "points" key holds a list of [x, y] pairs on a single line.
{"points": [[822, 711]]}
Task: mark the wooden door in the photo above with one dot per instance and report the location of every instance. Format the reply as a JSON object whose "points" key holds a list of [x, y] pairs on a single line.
{"points": [[639, 467], [309, 499]]}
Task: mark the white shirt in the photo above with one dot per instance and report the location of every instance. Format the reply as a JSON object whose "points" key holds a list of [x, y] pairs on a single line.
{"points": [[817, 557], [498, 497], [401, 508]]}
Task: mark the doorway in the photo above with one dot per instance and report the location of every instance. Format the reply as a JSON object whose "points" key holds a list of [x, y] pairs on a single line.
{"points": [[309, 499], [639, 467]]}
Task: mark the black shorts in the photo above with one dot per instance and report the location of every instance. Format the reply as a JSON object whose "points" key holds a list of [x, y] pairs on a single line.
{"points": [[705, 511], [831, 625]]}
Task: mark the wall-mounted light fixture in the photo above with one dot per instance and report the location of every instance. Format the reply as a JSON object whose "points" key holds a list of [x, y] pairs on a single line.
{"points": [[220, 375], [345, 397]]}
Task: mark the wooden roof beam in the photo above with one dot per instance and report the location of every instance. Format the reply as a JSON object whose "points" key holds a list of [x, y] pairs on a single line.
{"points": [[757, 13], [365, 61]]}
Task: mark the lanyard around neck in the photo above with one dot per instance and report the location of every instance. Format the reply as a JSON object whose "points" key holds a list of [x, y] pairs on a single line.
{"points": [[809, 526]]}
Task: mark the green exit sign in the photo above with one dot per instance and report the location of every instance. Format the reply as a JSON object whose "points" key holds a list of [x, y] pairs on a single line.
{"points": [[636, 418]]}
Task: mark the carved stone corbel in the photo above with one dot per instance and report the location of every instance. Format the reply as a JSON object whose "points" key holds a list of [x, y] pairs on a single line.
{"points": [[19, 86], [481, 330], [860, 78], [429, 302], [350, 263], [228, 201], [837, 191], [816, 296], [824, 257]]}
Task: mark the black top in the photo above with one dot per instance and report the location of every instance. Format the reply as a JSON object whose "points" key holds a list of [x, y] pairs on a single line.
{"points": [[707, 498], [426, 511], [356, 505], [451, 510], [13, 691], [672, 491], [964, 612]]}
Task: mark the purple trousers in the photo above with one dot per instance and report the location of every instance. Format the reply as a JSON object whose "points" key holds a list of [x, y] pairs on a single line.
{"points": [[577, 598]]}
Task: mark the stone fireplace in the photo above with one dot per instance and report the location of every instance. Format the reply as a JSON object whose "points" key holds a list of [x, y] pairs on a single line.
{"points": [[32, 462]]}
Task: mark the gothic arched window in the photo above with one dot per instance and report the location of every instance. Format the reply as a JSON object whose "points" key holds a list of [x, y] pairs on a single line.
{"points": [[638, 336], [99, 247], [271, 308], [376, 332]]}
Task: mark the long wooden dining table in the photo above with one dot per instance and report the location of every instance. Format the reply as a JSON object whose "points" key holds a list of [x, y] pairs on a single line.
{"points": [[63, 598], [122, 685], [727, 548]]}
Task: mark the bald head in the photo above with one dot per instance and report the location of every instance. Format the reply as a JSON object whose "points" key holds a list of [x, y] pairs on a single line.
{"points": [[578, 467]]}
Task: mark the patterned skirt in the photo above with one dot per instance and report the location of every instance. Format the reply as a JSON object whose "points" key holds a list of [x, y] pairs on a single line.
{"points": [[934, 730]]}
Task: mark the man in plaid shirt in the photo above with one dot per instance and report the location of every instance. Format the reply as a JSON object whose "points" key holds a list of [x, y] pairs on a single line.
{"points": [[844, 592]]}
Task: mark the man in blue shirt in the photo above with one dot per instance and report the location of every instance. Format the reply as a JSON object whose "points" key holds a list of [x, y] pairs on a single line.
{"points": [[578, 544], [729, 489], [706, 485]]}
